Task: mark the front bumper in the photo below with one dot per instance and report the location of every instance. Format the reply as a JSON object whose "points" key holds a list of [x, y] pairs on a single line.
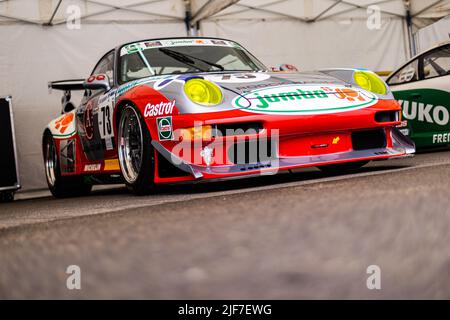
{"points": [[400, 146]]}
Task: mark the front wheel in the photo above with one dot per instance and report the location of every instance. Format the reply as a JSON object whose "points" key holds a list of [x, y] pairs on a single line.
{"points": [[59, 186], [343, 167], [135, 151]]}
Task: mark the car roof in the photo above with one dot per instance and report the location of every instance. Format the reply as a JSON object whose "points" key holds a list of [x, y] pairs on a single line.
{"points": [[442, 44]]}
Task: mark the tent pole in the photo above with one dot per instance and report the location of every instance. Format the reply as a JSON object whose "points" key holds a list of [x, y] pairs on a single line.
{"points": [[409, 28], [191, 29]]}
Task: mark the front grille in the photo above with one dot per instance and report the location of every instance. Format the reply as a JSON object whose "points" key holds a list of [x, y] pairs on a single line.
{"points": [[387, 116], [369, 139], [237, 129], [168, 170], [255, 151]]}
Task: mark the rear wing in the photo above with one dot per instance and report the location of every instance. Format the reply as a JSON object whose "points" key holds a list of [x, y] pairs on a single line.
{"points": [[67, 85]]}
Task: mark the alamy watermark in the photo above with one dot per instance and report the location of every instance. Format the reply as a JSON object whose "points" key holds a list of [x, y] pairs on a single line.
{"points": [[373, 282], [73, 281], [73, 20], [374, 17], [209, 146]]}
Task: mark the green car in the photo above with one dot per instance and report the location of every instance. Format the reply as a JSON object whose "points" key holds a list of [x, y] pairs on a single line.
{"points": [[422, 87]]}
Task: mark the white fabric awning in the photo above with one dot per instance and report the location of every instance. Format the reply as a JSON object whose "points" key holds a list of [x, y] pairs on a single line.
{"points": [[54, 12]]}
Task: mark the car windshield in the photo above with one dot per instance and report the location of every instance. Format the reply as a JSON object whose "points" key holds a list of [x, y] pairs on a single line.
{"points": [[164, 57]]}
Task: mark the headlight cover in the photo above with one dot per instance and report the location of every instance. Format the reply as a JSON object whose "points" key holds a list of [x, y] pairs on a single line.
{"points": [[370, 81], [203, 92]]}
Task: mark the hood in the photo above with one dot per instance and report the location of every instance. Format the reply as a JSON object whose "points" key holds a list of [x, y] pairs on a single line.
{"points": [[243, 83], [266, 92], [293, 93]]}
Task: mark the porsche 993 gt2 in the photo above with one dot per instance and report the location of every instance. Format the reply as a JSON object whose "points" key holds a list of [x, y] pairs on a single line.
{"points": [[196, 109]]}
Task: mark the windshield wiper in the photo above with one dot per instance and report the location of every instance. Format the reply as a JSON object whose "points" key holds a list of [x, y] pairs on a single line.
{"points": [[185, 58]]}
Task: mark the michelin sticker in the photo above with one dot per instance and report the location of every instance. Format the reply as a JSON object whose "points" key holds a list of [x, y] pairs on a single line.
{"points": [[305, 100]]}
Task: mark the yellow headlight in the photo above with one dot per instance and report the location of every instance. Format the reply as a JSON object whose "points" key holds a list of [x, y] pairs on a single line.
{"points": [[203, 92], [370, 82]]}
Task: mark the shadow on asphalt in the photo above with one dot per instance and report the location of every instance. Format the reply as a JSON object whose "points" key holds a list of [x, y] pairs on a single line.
{"points": [[305, 174], [246, 183]]}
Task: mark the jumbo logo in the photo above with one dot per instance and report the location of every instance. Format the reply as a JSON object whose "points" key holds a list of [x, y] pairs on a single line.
{"points": [[306, 100]]}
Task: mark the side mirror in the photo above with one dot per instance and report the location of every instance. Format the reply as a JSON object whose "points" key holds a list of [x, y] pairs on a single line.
{"points": [[97, 82], [288, 68]]}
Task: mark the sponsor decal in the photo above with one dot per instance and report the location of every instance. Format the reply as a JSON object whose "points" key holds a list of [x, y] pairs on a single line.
{"points": [[403, 124], [112, 165], [250, 87], [92, 167], [63, 122], [130, 85], [319, 146], [165, 130], [413, 110], [219, 42], [153, 44], [306, 100], [158, 85], [238, 78], [160, 109], [441, 138], [139, 46], [166, 80], [407, 75], [109, 144]]}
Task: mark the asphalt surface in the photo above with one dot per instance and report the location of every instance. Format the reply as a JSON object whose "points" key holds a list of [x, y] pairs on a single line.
{"points": [[299, 235]]}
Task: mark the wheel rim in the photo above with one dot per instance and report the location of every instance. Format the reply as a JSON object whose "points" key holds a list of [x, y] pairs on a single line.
{"points": [[50, 162], [130, 144]]}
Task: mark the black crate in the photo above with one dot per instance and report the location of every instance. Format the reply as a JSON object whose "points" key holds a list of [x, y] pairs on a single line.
{"points": [[9, 171]]}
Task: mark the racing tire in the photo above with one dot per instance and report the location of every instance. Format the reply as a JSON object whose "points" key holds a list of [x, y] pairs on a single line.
{"points": [[59, 186], [136, 155], [342, 167]]}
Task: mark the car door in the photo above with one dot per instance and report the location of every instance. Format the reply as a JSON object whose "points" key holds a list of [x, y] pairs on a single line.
{"points": [[95, 116], [425, 97]]}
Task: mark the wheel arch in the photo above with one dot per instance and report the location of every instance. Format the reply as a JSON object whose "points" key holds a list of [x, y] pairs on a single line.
{"points": [[47, 132], [120, 106]]}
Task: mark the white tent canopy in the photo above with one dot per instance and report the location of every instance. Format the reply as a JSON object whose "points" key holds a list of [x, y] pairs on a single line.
{"points": [[46, 40]]}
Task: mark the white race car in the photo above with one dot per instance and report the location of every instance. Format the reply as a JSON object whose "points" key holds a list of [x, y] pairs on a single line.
{"points": [[422, 86]]}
